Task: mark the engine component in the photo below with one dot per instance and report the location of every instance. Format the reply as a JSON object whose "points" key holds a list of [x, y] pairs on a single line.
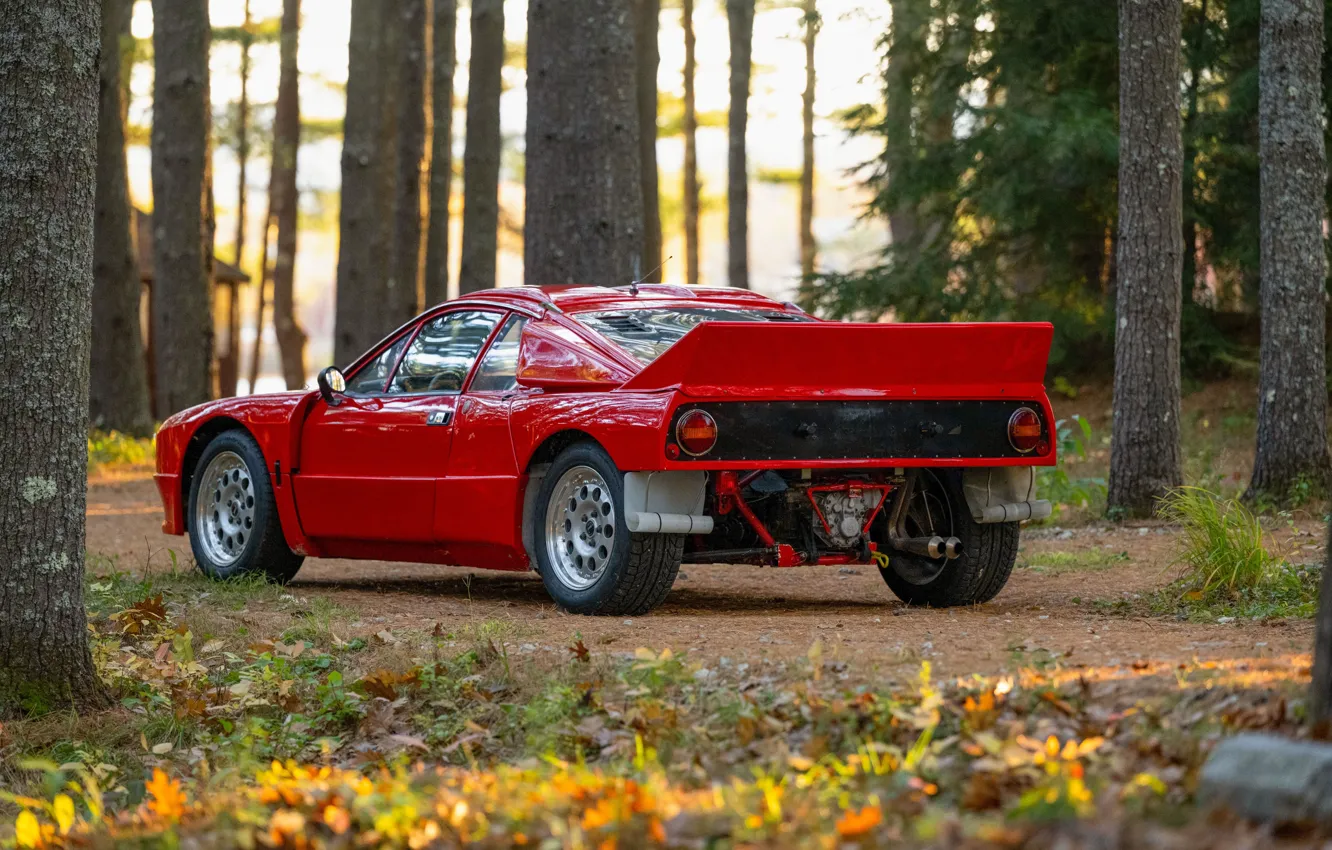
{"points": [[843, 512]]}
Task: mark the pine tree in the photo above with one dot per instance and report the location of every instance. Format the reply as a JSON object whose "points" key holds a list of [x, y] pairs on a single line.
{"points": [[1144, 444], [182, 207], [48, 152], [808, 247], [1292, 380], [405, 287], [444, 28], [691, 147], [286, 201], [649, 58], [740, 19], [582, 145], [481, 156], [362, 253], [118, 389]]}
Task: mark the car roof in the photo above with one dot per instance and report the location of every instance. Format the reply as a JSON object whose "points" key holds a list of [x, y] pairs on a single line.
{"points": [[578, 299]]}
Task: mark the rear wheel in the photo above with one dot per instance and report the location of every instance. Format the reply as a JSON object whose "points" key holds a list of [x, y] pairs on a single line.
{"points": [[587, 558], [233, 519], [988, 552]]}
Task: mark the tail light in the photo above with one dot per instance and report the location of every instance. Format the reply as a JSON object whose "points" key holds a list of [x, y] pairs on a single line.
{"points": [[696, 432], [1024, 430]]}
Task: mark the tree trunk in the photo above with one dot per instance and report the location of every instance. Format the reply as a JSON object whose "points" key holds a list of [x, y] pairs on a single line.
{"points": [[443, 59], [584, 216], [48, 152], [229, 367], [649, 58], [1292, 388], [1197, 55], [404, 285], [481, 156], [740, 19], [118, 390], [1320, 711], [1144, 454], [286, 145], [182, 236], [691, 148], [808, 248], [362, 258]]}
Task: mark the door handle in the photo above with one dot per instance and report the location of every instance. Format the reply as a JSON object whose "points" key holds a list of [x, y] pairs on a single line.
{"points": [[439, 417]]}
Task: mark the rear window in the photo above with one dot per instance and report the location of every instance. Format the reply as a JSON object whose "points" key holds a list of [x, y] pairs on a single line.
{"points": [[647, 333]]}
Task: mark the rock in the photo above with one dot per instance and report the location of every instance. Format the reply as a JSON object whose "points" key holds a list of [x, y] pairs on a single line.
{"points": [[1269, 778]]}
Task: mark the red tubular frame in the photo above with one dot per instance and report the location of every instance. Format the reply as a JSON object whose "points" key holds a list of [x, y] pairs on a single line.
{"points": [[730, 497]]}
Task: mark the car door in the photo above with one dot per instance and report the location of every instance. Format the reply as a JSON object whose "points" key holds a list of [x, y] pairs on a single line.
{"points": [[369, 465], [477, 501]]}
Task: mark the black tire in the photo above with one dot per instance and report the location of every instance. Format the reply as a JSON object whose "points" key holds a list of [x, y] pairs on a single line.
{"points": [[263, 551], [640, 568], [977, 575]]}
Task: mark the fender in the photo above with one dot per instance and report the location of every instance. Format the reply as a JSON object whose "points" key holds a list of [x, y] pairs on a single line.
{"points": [[274, 422]]}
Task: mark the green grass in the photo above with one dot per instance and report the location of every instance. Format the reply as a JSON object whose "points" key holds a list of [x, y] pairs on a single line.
{"points": [[112, 448], [1057, 563], [1227, 570], [1222, 543]]}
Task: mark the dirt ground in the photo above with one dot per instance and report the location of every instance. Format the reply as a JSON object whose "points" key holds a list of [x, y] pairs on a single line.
{"points": [[750, 614]]}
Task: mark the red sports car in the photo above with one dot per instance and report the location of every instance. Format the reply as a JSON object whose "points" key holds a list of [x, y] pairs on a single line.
{"points": [[604, 436]]}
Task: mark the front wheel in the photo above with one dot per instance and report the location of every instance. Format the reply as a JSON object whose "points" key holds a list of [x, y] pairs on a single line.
{"points": [[939, 507], [233, 519], [587, 558]]}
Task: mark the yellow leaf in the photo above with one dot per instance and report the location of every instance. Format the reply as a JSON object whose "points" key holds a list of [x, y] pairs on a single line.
{"points": [[26, 830], [63, 807]]}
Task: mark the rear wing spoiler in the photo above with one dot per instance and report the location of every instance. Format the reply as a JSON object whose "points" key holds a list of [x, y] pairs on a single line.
{"points": [[841, 360]]}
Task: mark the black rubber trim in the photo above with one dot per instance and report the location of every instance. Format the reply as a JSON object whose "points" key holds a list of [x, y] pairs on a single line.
{"points": [[835, 430]]}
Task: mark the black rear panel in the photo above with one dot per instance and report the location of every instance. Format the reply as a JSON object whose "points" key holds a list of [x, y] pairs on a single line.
{"points": [[835, 430]]}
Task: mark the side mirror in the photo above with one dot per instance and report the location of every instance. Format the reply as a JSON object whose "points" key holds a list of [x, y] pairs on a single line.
{"points": [[332, 385]]}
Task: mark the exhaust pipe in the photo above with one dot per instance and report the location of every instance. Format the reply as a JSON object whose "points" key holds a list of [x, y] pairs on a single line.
{"points": [[930, 547]]}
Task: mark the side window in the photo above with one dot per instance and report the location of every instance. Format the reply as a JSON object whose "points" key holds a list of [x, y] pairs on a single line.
{"points": [[441, 355], [498, 371], [375, 374]]}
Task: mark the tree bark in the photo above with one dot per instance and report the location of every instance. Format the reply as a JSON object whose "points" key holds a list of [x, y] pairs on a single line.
{"points": [[481, 156], [118, 389], [649, 58], [362, 258], [1144, 454], [286, 145], [1320, 711], [48, 152], [229, 368], [691, 148], [740, 19], [808, 248], [182, 236], [444, 58], [404, 285], [1292, 389], [584, 212]]}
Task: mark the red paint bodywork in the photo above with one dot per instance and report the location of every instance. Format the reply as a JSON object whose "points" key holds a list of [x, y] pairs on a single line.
{"points": [[369, 478]]}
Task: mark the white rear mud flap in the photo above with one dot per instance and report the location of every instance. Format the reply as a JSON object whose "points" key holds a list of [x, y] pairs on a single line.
{"points": [[1003, 494]]}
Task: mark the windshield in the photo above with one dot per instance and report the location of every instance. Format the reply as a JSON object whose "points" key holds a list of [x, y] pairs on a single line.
{"points": [[647, 333]]}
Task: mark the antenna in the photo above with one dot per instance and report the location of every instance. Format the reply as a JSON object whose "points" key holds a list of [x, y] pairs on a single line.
{"points": [[633, 286]]}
